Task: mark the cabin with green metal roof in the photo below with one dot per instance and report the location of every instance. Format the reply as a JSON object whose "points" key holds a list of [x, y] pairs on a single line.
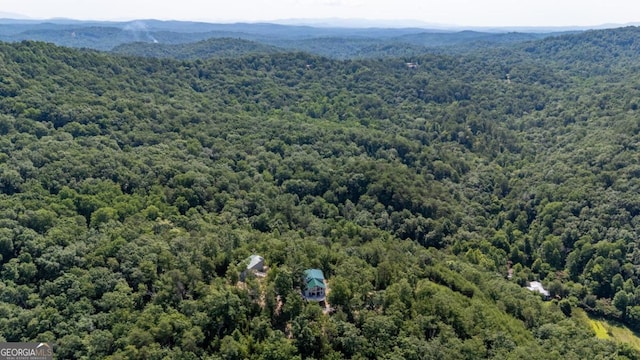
{"points": [[315, 289]]}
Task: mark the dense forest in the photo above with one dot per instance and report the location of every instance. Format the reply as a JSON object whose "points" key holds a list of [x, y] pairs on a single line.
{"points": [[133, 189]]}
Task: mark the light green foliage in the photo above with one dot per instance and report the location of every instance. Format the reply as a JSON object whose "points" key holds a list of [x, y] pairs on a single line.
{"points": [[132, 189]]}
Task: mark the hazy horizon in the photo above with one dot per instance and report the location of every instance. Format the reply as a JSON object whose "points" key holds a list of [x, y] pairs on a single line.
{"points": [[335, 22], [459, 13]]}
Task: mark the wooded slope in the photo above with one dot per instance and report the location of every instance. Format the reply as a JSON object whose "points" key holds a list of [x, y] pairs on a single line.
{"points": [[132, 189]]}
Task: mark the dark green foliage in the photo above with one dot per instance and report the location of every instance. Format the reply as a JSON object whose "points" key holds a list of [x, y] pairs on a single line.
{"points": [[214, 47], [132, 190]]}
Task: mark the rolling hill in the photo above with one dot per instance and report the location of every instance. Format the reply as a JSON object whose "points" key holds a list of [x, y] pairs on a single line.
{"points": [[333, 42], [132, 188]]}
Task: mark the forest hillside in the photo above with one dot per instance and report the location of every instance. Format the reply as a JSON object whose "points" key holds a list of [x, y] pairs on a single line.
{"points": [[429, 191]]}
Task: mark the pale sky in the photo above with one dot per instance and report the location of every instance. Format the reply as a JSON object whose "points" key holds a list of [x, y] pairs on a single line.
{"points": [[448, 12]]}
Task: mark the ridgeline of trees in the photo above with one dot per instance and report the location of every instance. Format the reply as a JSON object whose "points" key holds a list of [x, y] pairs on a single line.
{"points": [[133, 188], [213, 47], [188, 40]]}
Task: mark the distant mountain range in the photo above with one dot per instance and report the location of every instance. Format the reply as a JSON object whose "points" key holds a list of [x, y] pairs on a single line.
{"points": [[349, 23], [9, 15], [345, 39], [336, 38], [365, 23]]}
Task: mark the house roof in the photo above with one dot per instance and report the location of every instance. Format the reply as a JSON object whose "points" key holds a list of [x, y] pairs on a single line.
{"points": [[314, 278], [311, 283], [314, 274], [254, 260]]}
